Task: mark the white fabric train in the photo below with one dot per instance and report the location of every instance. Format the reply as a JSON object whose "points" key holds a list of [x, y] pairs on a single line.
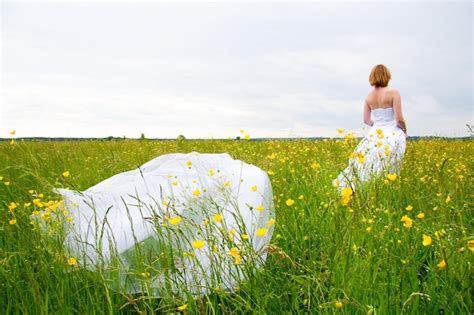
{"points": [[212, 215]]}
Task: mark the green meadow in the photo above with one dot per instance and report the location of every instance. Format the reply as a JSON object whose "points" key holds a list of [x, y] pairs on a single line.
{"points": [[398, 245]]}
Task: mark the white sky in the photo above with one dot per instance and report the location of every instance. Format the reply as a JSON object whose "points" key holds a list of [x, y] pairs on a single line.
{"points": [[209, 69]]}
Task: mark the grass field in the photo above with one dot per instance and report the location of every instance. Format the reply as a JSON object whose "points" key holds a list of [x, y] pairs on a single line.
{"points": [[325, 257]]}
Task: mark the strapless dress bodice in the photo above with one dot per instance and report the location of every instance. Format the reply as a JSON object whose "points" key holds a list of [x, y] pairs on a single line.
{"points": [[383, 115]]}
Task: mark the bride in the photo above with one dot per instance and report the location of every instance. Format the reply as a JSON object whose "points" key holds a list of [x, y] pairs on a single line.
{"points": [[381, 151], [179, 223]]}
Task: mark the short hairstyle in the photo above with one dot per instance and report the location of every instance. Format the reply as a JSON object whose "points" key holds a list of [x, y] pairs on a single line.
{"points": [[379, 76]]}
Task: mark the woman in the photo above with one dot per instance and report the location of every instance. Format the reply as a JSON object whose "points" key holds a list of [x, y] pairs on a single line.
{"points": [[383, 148]]}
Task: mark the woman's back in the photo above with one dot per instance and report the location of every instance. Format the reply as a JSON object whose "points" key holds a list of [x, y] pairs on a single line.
{"points": [[380, 98]]}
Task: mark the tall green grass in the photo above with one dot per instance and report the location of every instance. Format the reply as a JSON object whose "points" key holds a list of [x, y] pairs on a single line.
{"points": [[324, 257]]}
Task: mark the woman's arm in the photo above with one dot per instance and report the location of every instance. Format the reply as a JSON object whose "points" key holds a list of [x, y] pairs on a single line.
{"points": [[367, 119], [397, 108]]}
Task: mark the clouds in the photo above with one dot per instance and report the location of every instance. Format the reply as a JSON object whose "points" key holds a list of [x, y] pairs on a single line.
{"points": [[207, 70]]}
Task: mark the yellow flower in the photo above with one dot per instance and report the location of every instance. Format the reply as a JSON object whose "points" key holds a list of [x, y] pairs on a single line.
{"points": [[448, 199], [426, 240], [242, 131], [234, 252], [196, 192], [12, 141], [409, 208], [66, 174], [290, 202], [226, 184], [369, 229], [470, 245], [175, 220], [345, 200], [6, 183], [211, 172], [301, 197], [238, 259], [244, 236], [346, 192], [174, 183], [182, 308], [407, 222], [12, 222], [260, 208], [189, 163], [315, 165], [271, 222], [392, 177], [253, 188], [72, 261], [12, 206], [247, 137], [340, 130], [421, 215], [13, 132], [217, 217], [338, 304], [441, 264], [261, 232], [198, 244]]}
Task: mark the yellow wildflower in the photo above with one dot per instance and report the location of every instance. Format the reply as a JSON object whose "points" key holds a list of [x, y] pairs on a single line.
{"points": [[66, 174], [244, 236], [253, 188], [12, 222], [421, 215], [189, 163], [247, 137], [448, 199], [346, 192], [12, 206], [470, 245], [198, 244], [226, 184], [211, 172], [426, 240], [409, 208], [260, 208], [271, 222], [407, 222], [182, 308], [72, 261], [301, 197], [338, 304], [196, 192], [392, 177], [441, 264], [13, 132], [261, 232], [217, 217], [290, 202], [234, 252], [175, 220], [315, 165]]}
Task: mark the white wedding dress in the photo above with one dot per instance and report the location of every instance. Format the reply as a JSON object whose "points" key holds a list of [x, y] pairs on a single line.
{"points": [[195, 221], [381, 151]]}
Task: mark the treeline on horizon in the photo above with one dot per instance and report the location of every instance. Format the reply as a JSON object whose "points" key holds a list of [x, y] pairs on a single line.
{"points": [[111, 138]]}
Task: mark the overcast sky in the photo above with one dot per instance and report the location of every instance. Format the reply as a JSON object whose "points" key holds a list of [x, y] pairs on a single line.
{"points": [[209, 69]]}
